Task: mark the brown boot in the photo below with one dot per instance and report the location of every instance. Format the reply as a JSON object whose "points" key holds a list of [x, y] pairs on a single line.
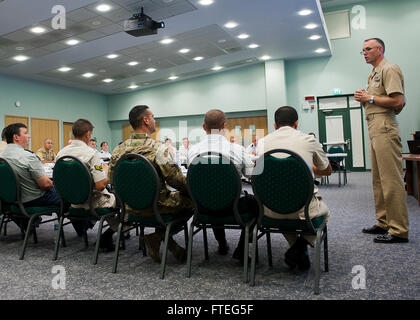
{"points": [[179, 252], [152, 242]]}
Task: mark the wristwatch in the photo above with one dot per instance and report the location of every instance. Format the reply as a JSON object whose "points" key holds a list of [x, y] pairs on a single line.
{"points": [[371, 99]]}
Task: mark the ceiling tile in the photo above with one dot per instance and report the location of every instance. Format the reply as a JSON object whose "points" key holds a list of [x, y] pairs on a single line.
{"points": [[19, 36], [81, 14], [91, 35]]}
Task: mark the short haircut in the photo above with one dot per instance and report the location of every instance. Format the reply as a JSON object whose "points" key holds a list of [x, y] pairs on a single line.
{"points": [[214, 119], [80, 127], [13, 129], [381, 43], [103, 142], [136, 116], [92, 140], [3, 136], [285, 116]]}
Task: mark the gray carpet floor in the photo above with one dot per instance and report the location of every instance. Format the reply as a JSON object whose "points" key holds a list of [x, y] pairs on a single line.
{"points": [[392, 270]]}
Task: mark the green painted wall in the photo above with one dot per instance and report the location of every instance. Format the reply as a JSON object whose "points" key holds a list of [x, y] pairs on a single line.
{"points": [[397, 23], [49, 101]]}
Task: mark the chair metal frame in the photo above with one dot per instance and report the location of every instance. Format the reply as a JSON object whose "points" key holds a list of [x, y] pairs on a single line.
{"points": [[204, 226], [157, 215], [6, 217], [341, 162], [320, 232], [92, 212]]}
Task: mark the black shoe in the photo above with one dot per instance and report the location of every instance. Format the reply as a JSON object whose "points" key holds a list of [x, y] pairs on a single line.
{"points": [[303, 262], [297, 255], [106, 242], [223, 248], [374, 230], [238, 254], [389, 238]]}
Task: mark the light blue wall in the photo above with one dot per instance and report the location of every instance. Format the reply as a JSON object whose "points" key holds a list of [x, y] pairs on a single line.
{"points": [[55, 102], [395, 22]]}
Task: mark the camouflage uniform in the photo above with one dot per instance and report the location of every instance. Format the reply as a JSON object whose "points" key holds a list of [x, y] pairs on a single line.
{"points": [[45, 155], [169, 202]]}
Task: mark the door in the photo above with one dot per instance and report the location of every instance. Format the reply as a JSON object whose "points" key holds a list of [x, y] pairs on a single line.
{"points": [[243, 129], [42, 129], [67, 132], [127, 130], [340, 123], [15, 119]]}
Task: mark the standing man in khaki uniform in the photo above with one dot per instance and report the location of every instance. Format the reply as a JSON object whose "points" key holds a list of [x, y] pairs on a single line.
{"points": [[169, 202], [383, 100], [46, 153]]}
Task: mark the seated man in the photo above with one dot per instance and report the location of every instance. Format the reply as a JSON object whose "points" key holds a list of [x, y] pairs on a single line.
{"points": [[171, 148], [215, 141], [46, 153], [104, 154], [175, 202], [37, 188], [82, 131], [92, 143], [288, 137], [183, 151]]}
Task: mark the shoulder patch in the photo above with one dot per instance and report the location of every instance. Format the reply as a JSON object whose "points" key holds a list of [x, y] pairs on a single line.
{"points": [[99, 168]]}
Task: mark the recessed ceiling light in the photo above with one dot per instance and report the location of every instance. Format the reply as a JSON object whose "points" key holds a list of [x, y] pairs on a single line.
{"points": [[38, 30], [216, 68], [231, 25], [103, 7], [185, 50], [112, 56], [108, 80], [320, 50], [72, 42], [65, 69], [221, 40], [311, 26], [20, 48], [304, 12], [133, 86], [253, 46], [88, 75], [20, 58], [173, 78], [198, 58], [243, 36], [151, 70], [102, 70], [315, 37], [265, 57], [133, 63], [205, 2], [167, 41]]}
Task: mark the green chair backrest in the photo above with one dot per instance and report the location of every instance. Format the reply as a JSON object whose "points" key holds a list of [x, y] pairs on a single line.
{"points": [[284, 185], [136, 181], [336, 150], [72, 180], [9, 185], [213, 181]]}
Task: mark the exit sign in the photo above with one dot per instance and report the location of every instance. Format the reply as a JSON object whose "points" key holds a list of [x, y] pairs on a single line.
{"points": [[336, 91]]}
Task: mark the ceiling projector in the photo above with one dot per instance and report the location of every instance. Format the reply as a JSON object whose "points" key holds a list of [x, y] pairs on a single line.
{"points": [[140, 25]]}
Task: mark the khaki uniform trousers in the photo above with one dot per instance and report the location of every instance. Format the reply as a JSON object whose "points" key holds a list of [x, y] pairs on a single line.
{"points": [[387, 174]]}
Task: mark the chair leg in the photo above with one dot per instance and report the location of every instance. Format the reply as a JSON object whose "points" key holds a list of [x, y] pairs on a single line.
{"points": [[246, 251], [165, 251], [317, 261], [2, 222], [186, 234], [35, 235], [269, 253], [117, 248], [326, 250], [189, 252], [206, 245], [98, 240], [254, 253], [137, 231], [25, 241], [142, 241], [57, 240]]}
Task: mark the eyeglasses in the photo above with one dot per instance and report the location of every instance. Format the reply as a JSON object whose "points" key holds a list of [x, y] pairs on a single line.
{"points": [[367, 49]]}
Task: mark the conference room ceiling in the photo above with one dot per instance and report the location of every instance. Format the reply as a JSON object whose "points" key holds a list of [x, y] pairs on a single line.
{"points": [[101, 50]]}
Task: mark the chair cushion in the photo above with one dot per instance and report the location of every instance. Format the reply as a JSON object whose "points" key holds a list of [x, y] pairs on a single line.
{"points": [[203, 218], [80, 212], [34, 210], [291, 225]]}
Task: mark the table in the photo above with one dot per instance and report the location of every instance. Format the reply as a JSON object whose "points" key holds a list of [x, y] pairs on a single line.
{"points": [[48, 168], [412, 165], [340, 155]]}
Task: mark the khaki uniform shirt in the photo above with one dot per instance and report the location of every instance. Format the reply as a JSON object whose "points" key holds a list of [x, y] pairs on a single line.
{"points": [[384, 80], [3, 145], [311, 151], [45, 155], [90, 157], [168, 171]]}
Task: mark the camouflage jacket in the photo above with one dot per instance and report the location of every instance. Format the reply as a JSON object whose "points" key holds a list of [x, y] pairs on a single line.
{"points": [[158, 154], [45, 155]]}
